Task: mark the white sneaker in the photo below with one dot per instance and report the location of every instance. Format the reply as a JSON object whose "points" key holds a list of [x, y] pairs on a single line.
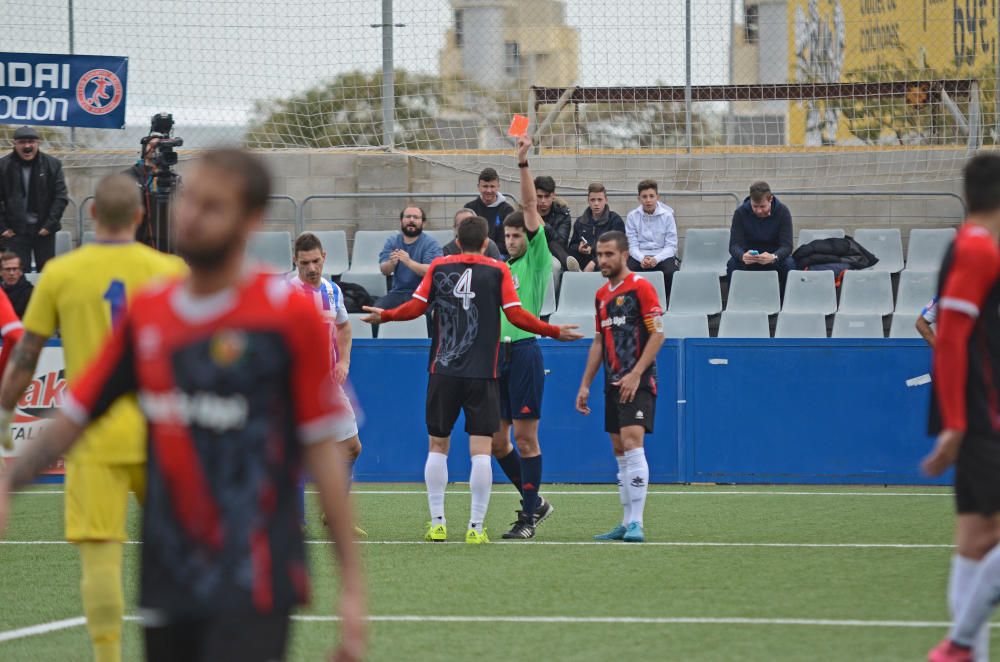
{"points": [[572, 264]]}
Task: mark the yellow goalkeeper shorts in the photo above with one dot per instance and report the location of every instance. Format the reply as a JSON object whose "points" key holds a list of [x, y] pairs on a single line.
{"points": [[97, 499]]}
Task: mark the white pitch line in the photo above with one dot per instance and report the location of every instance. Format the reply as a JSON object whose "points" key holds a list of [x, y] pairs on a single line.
{"points": [[608, 492], [592, 543], [42, 628]]}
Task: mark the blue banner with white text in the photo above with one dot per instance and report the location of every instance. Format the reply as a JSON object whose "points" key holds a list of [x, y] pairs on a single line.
{"points": [[63, 90]]}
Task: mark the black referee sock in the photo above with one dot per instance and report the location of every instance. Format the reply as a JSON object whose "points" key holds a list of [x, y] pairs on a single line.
{"points": [[511, 465], [531, 471]]}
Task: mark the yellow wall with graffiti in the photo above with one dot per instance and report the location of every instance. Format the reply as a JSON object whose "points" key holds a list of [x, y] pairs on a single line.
{"points": [[840, 40]]}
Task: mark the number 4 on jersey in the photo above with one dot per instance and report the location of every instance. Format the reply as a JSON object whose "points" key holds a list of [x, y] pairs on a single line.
{"points": [[463, 289]]}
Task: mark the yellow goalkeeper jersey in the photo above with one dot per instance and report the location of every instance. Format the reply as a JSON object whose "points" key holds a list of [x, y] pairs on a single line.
{"points": [[81, 294]]}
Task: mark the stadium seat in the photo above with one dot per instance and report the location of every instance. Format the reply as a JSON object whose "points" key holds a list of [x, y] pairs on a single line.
{"points": [[866, 292], [577, 293], [272, 250], [754, 291], [706, 250], [685, 325], [549, 300], [364, 261], [359, 329], [800, 325], [744, 324], [696, 292], [64, 242], [442, 236], [415, 328], [886, 245], [858, 325], [33, 277], [88, 237], [810, 292], [335, 244], [656, 278], [916, 288], [812, 234], [927, 248], [582, 320], [904, 326]]}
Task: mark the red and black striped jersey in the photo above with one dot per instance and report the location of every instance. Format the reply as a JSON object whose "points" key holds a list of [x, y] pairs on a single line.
{"points": [[627, 315], [232, 387], [967, 349]]}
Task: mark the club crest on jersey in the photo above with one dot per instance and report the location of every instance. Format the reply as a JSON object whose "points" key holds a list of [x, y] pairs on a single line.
{"points": [[227, 347], [619, 301]]}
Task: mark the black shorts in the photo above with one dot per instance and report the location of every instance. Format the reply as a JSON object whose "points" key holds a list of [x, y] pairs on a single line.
{"points": [[977, 475], [521, 379], [239, 637], [478, 398], [640, 411]]}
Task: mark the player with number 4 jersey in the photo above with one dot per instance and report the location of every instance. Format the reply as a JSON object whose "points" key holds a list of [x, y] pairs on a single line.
{"points": [[82, 294]]}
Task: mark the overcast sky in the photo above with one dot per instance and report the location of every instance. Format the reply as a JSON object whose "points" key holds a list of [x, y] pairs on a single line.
{"points": [[208, 60]]}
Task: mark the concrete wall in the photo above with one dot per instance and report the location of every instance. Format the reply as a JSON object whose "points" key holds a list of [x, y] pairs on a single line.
{"points": [[300, 174]]}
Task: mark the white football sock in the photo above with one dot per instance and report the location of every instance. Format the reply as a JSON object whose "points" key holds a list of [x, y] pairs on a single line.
{"points": [[977, 605], [480, 483], [960, 583], [436, 477], [623, 494], [637, 479]]}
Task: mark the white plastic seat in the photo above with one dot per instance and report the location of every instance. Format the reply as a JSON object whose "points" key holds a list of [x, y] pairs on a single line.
{"points": [[916, 288], [33, 277], [335, 244], [364, 261], [64, 242], [584, 322], [88, 237], [754, 291], [744, 324], [904, 326], [866, 292], [272, 250], [441, 236], [415, 328], [858, 325], [359, 329], [685, 325], [656, 278], [886, 244], [927, 248], [696, 292], [549, 300], [810, 292], [576, 296], [800, 325], [706, 249], [812, 234]]}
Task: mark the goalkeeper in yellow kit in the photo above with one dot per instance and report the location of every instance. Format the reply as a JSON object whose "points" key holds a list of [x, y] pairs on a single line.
{"points": [[82, 294]]}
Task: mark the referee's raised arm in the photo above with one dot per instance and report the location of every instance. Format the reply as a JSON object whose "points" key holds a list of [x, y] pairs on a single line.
{"points": [[529, 201]]}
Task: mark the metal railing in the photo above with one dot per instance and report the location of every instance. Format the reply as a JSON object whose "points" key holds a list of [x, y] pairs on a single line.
{"points": [[891, 195]]}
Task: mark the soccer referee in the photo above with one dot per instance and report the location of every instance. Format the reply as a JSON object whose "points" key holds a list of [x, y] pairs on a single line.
{"points": [[520, 368]]}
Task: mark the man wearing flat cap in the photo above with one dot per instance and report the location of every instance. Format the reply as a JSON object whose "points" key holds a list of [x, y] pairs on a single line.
{"points": [[32, 200]]}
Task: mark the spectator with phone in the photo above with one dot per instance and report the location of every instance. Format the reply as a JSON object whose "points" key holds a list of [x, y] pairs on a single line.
{"points": [[761, 235], [595, 221]]}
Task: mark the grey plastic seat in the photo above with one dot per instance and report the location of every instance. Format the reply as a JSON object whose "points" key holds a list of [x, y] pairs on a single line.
{"points": [[866, 292], [887, 246], [812, 234], [441, 236], [927, 248], [810, 292], [754, 291], [858, 325], [656, 278], [88, 237], [335, 244], [584, 322], [800, 325], [549, 300], [273, 250], [696, 292], [685, 325], [364, 261], [744, 324], [64, 242], [706, 249], [576, 296], [359, 329], [904, 326], [916, 288], [415, 328]]}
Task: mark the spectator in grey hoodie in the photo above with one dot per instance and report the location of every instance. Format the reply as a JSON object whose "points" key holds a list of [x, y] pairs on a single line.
{"points": [[652, 235]]}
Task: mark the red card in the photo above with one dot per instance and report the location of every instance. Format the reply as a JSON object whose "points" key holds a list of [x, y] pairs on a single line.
{"points": [[518, 126]]}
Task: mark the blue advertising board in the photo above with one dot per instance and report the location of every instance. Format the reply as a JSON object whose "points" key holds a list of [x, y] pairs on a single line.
{"points": [[63, 90]]}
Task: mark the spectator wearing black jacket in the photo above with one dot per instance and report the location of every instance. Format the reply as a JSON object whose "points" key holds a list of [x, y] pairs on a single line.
{"points": [[33, 198], [492, 206], [761, 235], [452, 247], [15, 285], [144, 173], [595, 221], [558, 222]]}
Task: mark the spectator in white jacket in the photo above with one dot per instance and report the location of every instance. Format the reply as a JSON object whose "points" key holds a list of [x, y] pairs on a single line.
{"points": [[652, 235]]}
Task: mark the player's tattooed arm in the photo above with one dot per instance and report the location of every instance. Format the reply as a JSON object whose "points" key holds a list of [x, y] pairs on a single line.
{"points": [[57, 438], [21, 369]]}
